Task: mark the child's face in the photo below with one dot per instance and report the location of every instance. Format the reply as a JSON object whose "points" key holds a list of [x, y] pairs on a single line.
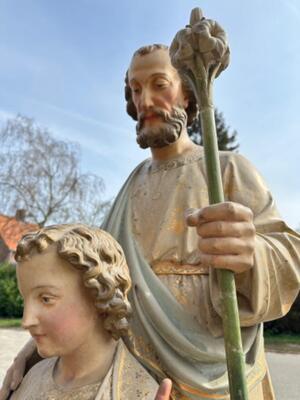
{"points": [[58, 313]]}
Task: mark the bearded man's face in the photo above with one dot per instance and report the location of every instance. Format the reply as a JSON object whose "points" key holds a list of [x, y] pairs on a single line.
{"points": [[159, 99]]}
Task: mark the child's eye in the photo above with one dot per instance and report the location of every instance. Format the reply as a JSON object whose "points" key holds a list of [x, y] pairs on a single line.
{"points": [[46, 299]]}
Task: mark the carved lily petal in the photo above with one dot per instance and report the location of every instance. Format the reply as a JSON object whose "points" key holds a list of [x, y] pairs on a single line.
{"points": [[211, 43], [207, 38], [181, 50], [210, 36]]}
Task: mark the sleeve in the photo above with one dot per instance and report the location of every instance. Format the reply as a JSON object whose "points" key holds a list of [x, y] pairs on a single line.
{"points": [[268, 290], [36, 382]]}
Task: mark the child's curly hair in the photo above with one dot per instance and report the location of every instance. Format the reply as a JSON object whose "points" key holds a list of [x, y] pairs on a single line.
{"points": [[100, 259]]}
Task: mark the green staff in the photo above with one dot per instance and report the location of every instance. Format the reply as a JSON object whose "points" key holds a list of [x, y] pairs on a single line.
{"points": [[200, 52]]}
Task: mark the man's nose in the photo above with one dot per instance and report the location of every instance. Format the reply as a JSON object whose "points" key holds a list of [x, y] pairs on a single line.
{"points": [[146, 100], [29, 318]]}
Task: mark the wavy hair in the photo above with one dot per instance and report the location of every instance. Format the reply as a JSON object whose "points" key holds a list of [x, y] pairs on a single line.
{"points": [[192, 108], [101, 260]]}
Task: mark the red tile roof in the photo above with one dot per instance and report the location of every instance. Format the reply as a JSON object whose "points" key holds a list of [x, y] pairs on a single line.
{"points": [[11, 230]]}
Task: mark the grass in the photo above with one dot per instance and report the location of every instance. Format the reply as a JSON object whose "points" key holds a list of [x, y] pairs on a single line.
{"points": [[282, 338], [270, 338], [10, 322]]}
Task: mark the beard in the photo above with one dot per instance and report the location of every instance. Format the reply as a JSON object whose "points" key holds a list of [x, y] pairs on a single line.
{"points": [[166, 133]]}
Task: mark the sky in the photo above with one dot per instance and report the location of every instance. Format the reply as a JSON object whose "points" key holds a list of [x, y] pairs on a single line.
{"points": [[63, 63]]}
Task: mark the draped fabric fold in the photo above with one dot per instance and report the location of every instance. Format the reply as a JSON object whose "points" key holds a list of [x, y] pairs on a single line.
{"points": [[188, 353]]}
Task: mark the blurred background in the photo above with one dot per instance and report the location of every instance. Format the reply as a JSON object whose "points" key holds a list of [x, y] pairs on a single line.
{"points": [[63, 64], [66, 142]]}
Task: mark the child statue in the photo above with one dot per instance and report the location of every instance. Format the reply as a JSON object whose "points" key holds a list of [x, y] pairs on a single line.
{"points": [[74, 281]]}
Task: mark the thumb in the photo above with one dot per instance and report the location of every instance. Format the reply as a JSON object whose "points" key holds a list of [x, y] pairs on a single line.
{"points": [[164, 390], [4, 393]]}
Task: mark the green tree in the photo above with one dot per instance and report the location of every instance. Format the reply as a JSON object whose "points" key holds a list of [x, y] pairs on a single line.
{"points": [[226, 139], [290, 323], [11, 303]]}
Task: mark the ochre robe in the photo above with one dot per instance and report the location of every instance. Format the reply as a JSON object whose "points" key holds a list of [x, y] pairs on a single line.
{"points": [[125, 380], [151, 208]]}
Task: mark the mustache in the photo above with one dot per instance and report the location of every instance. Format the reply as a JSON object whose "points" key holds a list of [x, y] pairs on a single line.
{"points": [[153, 111], [175, 115]]}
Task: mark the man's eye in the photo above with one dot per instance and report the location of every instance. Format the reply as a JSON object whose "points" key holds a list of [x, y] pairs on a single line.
{"points": [[161, 84], [136, 90]]}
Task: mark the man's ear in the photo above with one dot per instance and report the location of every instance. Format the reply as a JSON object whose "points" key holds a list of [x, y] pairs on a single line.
{"points": [[185, 96], [185, 101]]}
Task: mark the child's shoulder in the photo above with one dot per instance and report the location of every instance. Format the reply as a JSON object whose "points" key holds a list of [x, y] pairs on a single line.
{"points": [[135, 382], [37, 377]]}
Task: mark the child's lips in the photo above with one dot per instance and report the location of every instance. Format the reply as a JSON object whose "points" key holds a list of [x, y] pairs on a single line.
{"points": [[38, 336]]}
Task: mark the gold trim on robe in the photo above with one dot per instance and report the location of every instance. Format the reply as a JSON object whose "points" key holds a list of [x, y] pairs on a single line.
{"points": [[173, 268]]}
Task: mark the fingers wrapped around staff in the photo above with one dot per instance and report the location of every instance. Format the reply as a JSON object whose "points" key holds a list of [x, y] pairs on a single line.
{"points": [[226, 235]]}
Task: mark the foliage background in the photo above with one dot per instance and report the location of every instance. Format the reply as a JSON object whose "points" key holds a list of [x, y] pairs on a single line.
{"points": [[11, 303]]}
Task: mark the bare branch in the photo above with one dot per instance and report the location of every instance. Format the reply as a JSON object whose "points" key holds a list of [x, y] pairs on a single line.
{"points": [[42, 175]]}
